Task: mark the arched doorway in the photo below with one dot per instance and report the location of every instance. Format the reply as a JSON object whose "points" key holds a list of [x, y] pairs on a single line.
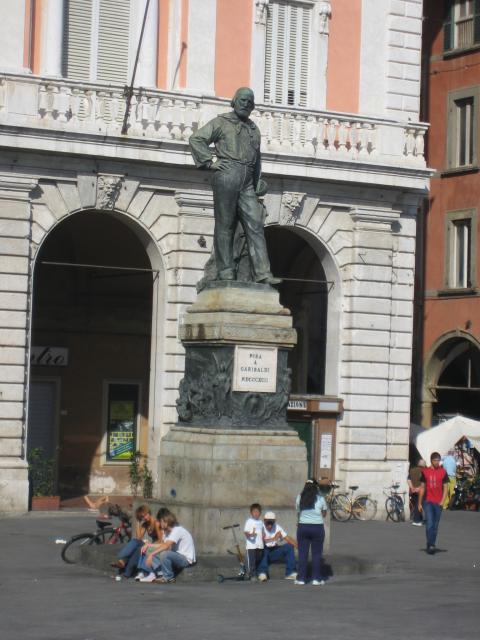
{"points": [[91, 350], [305, 292], [452, 378]]}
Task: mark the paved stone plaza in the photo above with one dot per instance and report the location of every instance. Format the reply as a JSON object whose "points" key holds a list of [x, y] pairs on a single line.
{"points": [[402, 593]]}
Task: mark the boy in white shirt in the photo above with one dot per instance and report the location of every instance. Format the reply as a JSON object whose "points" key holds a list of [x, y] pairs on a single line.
{"points": [[279, 547], [253, 530]]}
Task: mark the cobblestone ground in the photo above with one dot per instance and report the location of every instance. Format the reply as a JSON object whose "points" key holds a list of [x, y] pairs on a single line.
{"points": [[411, 595]]}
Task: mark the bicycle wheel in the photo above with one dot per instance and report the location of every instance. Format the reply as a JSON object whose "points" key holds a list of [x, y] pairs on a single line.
{"points": [[394, 509], [364, 508], [341, 507], [71, 551]]}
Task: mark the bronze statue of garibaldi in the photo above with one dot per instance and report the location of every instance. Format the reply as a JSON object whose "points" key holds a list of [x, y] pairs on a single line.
{"points": [[235, 182]]}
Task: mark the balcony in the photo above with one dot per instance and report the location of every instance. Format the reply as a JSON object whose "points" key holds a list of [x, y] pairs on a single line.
{"points": [[76, 111]]}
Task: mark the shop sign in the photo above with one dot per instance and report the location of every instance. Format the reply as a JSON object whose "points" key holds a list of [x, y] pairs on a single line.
{"points": [[297, 405], [49, 356]]}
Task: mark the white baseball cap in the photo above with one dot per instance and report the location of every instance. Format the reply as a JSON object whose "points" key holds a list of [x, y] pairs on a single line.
{"points": [[269, 516]]}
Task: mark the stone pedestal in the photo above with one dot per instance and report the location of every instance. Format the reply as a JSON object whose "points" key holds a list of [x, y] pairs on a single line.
{"points": [[209, 477], [232, 445], [236, 337]]}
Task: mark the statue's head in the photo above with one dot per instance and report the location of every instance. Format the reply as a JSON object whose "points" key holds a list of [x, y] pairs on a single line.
{"points": [[243, 102]]}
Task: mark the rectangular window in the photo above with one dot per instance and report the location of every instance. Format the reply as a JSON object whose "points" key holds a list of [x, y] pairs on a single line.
{"points": [[122, 421], [96, 40], [287, 53], [462, 24], [460, 254], [463, 113]]}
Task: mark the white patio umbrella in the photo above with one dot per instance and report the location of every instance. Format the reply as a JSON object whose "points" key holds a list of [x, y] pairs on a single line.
{"points": [[446, 435]]}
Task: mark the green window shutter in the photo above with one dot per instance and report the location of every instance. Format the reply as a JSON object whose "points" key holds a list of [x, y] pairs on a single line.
{"points": [[113, 41], [476, 23], [77, 34], [448, 25]]}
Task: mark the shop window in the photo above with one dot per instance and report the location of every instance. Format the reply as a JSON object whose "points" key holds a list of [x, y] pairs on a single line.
{"points": [[462, 24], [462, 128], [122, 421], [287, 51], [460, 252], [96, 40]]}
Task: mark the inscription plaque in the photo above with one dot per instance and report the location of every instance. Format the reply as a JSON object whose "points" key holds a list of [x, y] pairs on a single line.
{"points": [[255, 369]]}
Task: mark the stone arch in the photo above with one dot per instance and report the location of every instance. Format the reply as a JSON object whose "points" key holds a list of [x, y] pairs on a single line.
{"points": [[444, 351], [150, 212], [314, 229]]}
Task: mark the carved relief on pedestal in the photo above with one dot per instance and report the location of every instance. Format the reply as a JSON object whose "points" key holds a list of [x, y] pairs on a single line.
{"points": [[108, 189], [292, 207]]}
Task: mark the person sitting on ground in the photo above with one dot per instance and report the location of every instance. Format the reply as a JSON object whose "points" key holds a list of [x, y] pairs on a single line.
{"points": [[253, 531], [147, 529], [414, 482], [273, 537], [169, 557], [312, 510]]}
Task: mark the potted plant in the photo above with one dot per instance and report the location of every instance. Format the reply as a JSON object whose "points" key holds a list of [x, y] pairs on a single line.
{"points": [[42, 481]]}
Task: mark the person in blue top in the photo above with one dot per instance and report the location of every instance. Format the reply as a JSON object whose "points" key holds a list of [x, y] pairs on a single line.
{"points": [[311, 509], [449, 463]]}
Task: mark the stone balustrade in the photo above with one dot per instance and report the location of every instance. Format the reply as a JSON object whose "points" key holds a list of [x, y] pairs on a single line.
{"points": [[172, 116]]}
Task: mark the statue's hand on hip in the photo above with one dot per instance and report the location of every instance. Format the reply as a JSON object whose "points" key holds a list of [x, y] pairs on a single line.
{"points": [[219, 165]]}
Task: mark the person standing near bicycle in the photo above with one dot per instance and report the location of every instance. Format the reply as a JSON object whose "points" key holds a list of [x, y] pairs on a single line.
{"points": [[433, 491], [414, 482], [312, 510]]}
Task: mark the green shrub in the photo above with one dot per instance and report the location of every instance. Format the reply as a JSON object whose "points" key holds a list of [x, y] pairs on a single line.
{"points": [[41, 473]]}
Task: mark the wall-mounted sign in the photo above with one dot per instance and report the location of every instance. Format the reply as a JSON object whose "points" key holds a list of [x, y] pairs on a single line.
{"points": [[255, 369], [297, 405], [49, 356], [326, 450]]}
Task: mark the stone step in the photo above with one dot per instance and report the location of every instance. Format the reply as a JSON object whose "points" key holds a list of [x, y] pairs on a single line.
{"points": [[209, 567]]}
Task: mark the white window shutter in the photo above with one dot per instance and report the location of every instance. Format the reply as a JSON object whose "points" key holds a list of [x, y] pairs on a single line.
{"points": [[113, 41], [77, 34], [286, 53]]}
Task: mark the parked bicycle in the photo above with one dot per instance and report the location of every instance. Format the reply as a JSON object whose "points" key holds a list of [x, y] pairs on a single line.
{"points": [[344, 506], [395, 503], [104, 534]]}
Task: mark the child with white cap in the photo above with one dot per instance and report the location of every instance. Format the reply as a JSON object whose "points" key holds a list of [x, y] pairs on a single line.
{"points": [[279, 547]]}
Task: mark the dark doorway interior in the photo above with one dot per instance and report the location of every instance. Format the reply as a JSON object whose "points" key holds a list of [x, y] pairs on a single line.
{"points": [[102, 317], [292, 256], [458, 386]]}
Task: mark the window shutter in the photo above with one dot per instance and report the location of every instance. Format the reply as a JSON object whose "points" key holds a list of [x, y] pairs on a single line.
{"points": [[113, 41], [286, 54], [476, 23], [77, 33], [448, 26]]}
